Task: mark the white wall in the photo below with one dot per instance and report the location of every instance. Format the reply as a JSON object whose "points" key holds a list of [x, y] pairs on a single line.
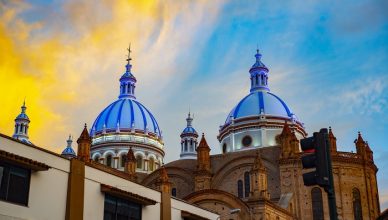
{"points": [[48, 189], [94, 198]]}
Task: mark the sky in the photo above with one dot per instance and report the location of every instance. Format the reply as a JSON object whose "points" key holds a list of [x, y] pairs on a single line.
{"points": [[328, 61]]}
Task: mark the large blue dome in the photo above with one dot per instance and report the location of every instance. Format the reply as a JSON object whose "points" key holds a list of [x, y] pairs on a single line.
{"points": [[126, 114], [260, 102]]}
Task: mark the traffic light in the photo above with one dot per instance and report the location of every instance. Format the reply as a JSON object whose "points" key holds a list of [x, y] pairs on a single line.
{"points": [[315, 150]]}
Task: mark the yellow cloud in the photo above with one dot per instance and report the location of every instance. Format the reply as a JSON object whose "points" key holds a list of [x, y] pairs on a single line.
{"points": [[68, 63]]}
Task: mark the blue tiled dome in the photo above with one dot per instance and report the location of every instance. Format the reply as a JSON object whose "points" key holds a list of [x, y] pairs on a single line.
{"points": [[260, 101], [23, 116], [68, 151], [189, 130], [126, 114]]}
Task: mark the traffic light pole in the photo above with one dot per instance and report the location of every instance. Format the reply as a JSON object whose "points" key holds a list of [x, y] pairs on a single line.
{"points": [[317, 155], [330, 188]]}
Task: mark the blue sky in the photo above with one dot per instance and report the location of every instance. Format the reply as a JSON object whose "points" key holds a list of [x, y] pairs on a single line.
{"points": [[328, 61]]}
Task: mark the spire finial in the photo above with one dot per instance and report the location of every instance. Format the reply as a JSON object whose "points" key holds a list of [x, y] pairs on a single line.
{"points": [[69, 141], [24, 106], [189, 119], [258, 55], [257, 48], [129, 53]]}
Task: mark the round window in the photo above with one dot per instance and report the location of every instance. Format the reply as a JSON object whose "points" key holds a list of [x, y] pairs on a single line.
{"points": [[247, 141]]}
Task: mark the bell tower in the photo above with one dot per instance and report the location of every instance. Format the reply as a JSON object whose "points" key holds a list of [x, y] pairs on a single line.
{"points": [[189, 140], [22, 124]]}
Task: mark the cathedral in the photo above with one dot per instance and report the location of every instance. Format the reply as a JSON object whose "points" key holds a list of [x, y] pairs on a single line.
{"points": [[258, 173]]}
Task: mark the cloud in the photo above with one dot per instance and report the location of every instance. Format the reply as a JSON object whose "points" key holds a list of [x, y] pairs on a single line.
{"points": [[365, 96], [67, 61]]}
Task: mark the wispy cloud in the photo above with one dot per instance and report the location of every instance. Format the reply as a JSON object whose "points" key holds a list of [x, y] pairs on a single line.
{"points": [[364, 97], [68, 63]]}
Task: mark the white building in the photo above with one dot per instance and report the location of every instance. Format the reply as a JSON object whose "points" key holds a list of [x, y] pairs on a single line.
{"points": [[38, 184]]}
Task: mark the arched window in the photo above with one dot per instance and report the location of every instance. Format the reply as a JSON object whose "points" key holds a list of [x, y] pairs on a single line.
{"points": [[139, 162], [247, 184], [317, 204], [257, 80], [97, 158], [151, 164], [186, 145], [109, 160], [123, 159], [240, 188], [173, 192], [357, 209], [224, 148]]}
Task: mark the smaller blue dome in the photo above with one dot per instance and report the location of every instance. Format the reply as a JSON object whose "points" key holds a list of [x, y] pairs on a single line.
{"points": [[189, 130], [22, 116], [68, 151]]}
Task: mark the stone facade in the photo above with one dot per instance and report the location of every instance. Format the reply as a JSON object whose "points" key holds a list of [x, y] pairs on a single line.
{"points": [[275, 189]]}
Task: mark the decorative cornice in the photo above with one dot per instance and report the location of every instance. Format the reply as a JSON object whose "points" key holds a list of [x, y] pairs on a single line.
{"points": [[128, 131], [233, 127], [337, 157], [23, 161], [99, 146], [126, 195]]}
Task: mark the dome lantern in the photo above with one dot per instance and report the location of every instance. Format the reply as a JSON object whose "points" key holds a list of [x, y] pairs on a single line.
{"points": [[22, 124], [259, 74], [189, 140], [68, 151], [128, 80]]}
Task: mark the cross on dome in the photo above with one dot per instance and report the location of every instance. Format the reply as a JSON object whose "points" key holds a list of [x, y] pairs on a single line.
{"points": [[128, 80]]}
